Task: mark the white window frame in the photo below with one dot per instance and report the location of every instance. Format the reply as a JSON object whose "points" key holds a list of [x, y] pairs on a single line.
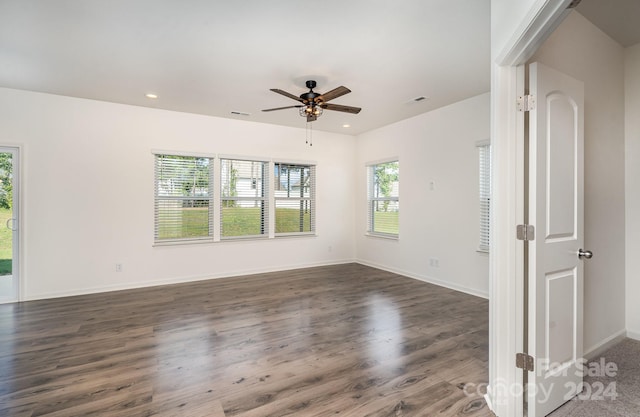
{"points": [[158, 198], [216, 200], [263, 199], [372, 199], [311, 200], [484, 195]]}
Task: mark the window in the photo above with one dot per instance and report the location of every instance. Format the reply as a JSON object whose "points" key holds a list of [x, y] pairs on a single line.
{"points": [[383, 203], [183, 198], [244, 210], [294, 195], [484, 154]]}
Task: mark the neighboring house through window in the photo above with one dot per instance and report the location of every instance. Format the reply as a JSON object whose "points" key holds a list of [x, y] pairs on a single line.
{"points": [[183, 198], [383, 198]]}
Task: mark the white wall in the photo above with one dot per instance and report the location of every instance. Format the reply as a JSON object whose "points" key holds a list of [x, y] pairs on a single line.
{"points": [[632, 168], [443, 223], [582, 51], [88, 194]]}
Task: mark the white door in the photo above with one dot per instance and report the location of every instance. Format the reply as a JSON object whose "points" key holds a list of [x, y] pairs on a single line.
{"points": [[9, 237], [555, 291]]}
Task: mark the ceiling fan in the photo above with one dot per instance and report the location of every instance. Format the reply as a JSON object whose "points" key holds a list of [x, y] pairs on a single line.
{"points": [[314, 103]]}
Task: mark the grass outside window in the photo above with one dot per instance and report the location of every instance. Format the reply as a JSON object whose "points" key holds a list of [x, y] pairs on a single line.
{"points": [[6, 243], [237, 221]]}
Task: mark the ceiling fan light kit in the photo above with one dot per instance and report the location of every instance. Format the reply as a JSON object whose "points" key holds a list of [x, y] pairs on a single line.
{"points": [[310, 111]]}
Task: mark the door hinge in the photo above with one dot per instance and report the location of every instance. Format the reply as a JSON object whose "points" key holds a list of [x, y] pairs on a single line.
{"points": [[525, 232], [526, 103], [524, 361]]}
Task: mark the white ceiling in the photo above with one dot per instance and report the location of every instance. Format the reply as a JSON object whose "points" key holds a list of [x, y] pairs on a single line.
{"points": [[620, 19], [213, 57]]}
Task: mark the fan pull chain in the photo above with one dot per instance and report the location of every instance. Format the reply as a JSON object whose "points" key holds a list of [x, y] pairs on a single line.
{"points": [[309, 134]]}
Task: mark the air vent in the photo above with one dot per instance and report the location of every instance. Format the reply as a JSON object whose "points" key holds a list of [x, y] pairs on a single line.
{"points": [[240, 113], [417, 100], [574, 4]]}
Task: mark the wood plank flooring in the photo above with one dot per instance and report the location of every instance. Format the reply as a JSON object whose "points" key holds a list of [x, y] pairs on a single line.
{"points": [[338, 340]]}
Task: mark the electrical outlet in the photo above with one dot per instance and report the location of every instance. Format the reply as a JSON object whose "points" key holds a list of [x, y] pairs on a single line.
{"points": [[330, 248], [118, 267], [434, 262]]}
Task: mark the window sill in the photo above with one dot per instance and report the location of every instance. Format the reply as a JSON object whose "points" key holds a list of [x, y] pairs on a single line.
{"points": [[187, 242], [294, 235], [382, 236], [241, 238], [182, 242]]}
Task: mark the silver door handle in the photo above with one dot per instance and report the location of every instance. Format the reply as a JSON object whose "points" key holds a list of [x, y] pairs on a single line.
{"points": [[13, 224], [585, 254]]}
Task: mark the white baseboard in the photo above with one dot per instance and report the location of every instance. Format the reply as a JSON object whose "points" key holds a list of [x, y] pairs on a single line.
{"points": [[430, 280], [595, 351], [632, 334], [487, 399], [229, 274], [178, 280]]}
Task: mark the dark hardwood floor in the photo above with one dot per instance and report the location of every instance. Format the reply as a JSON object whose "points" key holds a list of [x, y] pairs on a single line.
{"points": [[339, 340]]}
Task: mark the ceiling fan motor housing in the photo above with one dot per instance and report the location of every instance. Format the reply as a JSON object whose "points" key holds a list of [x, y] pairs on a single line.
{"points": [[309, 97]]}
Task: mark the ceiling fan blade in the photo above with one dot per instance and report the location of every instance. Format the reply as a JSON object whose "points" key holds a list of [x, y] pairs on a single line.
{"points": [[282, 108], [335, 93], [339, 107], [284, 93]]}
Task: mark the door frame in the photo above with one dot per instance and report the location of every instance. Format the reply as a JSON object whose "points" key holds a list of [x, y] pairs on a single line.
{"points": [[506, 289], [18, 189]]}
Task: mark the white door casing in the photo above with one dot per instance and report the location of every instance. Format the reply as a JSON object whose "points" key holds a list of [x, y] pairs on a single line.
{"points": [[556, 139]]}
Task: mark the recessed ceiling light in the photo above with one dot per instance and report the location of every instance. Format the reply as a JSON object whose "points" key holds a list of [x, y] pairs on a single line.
{"points": [[346, 125], [151, 95]]}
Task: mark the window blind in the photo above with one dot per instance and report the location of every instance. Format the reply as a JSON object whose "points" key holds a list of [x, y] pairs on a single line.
{"points": [[244, 203], [294, 196], [383, 198], [484, 153], [183, 198]]}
